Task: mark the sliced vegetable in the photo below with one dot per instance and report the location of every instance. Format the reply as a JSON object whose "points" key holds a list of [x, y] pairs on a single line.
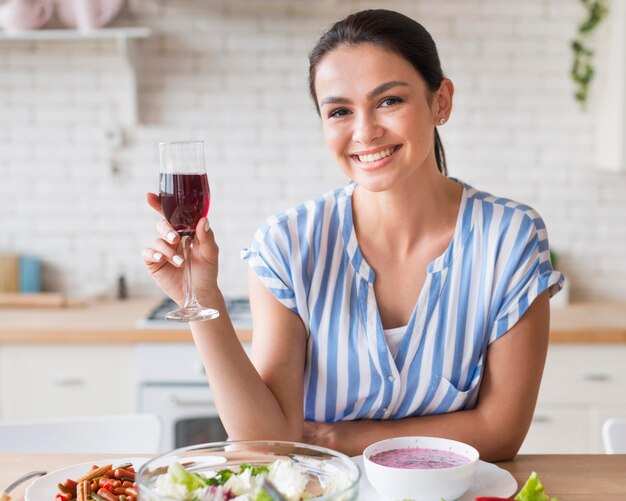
{"points": [[263, 496], [180, 475], [256, 470], [533, 490]]}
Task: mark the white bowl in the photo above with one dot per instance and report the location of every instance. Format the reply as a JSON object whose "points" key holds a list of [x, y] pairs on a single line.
{"points": [[416, 484]]}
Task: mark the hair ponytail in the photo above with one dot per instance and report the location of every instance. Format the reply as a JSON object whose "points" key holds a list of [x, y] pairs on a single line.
{"points": [[440, 155]]}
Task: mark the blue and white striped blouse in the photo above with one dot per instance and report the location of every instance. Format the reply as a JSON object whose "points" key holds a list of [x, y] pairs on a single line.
{"points": [[497, 263]]}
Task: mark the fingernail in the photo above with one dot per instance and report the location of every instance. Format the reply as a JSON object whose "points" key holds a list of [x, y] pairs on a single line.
{"points": [[207, 226], [170, 237], [177, 260], [157, 256]]}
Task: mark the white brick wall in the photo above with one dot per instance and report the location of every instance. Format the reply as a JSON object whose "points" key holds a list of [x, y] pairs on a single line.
{"points": [[234, 73]]}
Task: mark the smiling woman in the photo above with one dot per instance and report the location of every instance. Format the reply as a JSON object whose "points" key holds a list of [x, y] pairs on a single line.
{"points": [[405, 303]]}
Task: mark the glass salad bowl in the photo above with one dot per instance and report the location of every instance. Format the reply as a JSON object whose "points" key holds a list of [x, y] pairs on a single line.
{"points": [[249, 470]]}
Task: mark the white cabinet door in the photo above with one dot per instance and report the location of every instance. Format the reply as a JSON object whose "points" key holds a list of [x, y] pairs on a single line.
{"points": [[50, 381], [558, 429], [585, 374], [582, 385]]}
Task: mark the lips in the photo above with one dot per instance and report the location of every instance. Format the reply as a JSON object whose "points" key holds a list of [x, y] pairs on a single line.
{"points": [[372, 158]]}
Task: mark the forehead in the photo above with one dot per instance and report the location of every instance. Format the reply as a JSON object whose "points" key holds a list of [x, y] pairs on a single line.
{"points": [[356, 70]]}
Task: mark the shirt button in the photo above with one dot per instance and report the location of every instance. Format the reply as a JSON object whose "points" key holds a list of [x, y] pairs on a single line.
{"points": [[385, 409], [391, 378]]}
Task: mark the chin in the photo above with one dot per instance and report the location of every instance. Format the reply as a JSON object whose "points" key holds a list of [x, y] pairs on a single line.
{"points": [[373, 185]]}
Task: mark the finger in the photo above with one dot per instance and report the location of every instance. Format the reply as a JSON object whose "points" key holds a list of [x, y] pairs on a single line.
{"points": [[167, 232], [169, 253], [203, 230], [152, 257], [206, 239], [154, 201]]}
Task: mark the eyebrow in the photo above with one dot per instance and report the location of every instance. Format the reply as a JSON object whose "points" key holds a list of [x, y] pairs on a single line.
{"points": [[378, 90]]}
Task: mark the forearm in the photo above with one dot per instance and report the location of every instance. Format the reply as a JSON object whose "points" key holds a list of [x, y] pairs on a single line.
{"points": [[246, 405], [491, 438]]}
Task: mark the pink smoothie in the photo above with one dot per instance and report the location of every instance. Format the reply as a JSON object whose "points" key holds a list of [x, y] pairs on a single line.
{"points": [[418, 458]]}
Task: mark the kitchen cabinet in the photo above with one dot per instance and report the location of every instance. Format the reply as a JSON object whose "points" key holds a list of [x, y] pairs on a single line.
{"points": [[584, 380], [47, 381], [583, 385]]}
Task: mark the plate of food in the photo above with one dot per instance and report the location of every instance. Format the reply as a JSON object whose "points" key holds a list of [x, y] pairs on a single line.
{"points": [[102, 480]]}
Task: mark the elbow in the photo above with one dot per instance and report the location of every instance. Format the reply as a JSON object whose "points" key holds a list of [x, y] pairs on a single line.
{"points": [[504, 453], [505, 445], [506, 437]]}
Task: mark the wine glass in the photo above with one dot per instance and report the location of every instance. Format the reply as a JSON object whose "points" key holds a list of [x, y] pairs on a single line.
{"points": [[185, 199]]}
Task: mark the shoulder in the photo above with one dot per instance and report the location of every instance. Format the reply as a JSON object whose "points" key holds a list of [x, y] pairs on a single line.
{"points": [[503, 215]]}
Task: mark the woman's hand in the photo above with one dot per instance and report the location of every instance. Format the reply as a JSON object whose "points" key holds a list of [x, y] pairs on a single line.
{"points": [[164, 260]]}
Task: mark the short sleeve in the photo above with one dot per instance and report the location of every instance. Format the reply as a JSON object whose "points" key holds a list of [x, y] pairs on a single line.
{"points": [[523, 273], [269, 257]]}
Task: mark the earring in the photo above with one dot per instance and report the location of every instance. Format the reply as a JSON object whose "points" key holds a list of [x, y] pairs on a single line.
{"points": [[442, 121]]}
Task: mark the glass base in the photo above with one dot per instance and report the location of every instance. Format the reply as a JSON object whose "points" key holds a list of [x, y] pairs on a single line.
{"points": [[192, 313]]}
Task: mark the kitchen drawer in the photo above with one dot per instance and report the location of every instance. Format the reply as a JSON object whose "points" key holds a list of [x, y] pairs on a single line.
{"points": [[559, 429], [585, 374], [50, 381], [170, 363]]}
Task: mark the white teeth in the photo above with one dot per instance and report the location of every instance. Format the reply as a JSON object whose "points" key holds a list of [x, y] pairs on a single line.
{"points": [[376, 156]]}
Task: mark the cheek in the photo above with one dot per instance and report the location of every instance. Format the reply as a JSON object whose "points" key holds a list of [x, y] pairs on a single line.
{"points": [[337, 138], [412, 125]]}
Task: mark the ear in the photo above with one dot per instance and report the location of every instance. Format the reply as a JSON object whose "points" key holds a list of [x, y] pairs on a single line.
{"points": [[442, 102]]}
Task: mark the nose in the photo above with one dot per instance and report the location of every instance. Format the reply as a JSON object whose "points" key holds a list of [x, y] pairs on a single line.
{"points": [[366, 129]]}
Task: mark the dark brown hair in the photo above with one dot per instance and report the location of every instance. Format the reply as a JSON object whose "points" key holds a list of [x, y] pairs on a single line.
{"points": [[392, 31]]}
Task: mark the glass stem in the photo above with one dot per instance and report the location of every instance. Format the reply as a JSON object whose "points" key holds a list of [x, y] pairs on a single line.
{"points": [[190, 293]]}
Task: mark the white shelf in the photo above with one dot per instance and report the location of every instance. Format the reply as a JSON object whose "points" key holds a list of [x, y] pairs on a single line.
{"points": [[124, 38], [71, 34]]}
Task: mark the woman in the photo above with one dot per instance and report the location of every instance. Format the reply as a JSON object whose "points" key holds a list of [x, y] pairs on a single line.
{"points": [[380, 309]]}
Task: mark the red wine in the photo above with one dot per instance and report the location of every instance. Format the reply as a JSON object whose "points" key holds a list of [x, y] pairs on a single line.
{"points": [[185, 198]]}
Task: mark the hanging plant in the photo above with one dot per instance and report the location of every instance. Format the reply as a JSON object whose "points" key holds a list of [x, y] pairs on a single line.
{"points": [[582, 68]]}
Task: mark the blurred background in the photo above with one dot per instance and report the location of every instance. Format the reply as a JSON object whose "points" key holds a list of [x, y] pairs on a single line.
{"points": [[81, 118]]}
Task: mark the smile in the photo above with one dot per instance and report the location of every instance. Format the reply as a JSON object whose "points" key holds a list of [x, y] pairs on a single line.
{"points": [[376, 156]]}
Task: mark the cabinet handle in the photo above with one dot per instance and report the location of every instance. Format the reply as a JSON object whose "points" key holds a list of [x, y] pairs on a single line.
{"points": [[596, 377], [172, 399], [68, 381], [541, 418]]}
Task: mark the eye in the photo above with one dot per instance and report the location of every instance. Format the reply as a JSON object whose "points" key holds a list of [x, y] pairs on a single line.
{"points": [[390, 101], [338, 113]]}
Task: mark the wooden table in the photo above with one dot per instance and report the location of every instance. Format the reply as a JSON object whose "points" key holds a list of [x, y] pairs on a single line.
{"points": [[568, 477]]}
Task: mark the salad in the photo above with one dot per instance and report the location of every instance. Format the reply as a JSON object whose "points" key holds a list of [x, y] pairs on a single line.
{"points": [[293, 481]]}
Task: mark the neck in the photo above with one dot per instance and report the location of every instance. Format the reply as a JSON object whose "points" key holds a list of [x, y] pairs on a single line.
{"points": [[404, 217]]}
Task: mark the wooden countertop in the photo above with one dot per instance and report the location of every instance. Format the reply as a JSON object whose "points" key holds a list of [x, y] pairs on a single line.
{"points": [[116, 322], [103, 322], [568, 477]]}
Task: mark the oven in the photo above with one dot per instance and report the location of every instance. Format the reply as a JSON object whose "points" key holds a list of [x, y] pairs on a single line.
{"points": [[172, 384]]}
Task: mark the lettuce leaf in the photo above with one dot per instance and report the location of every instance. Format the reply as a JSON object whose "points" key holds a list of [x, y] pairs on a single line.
{"points": [[533, 490], [179, 475]]}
